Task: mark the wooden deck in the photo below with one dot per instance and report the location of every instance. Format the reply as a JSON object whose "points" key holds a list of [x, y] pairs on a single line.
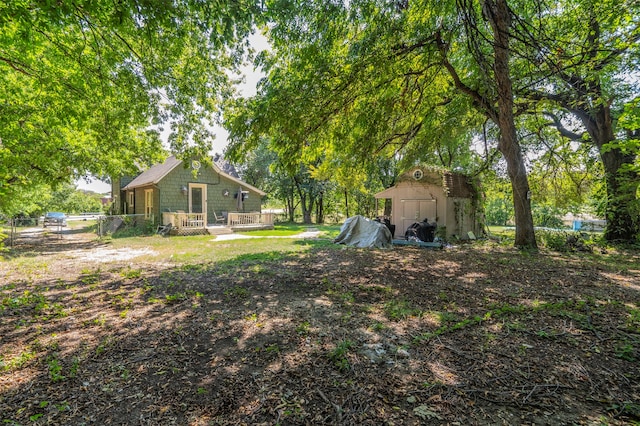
{"points": [[195, 224]]}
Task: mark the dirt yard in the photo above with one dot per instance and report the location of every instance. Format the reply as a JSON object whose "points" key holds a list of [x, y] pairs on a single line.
{"points": [[476, 334]]}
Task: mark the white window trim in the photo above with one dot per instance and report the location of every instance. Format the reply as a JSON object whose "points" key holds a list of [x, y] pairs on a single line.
{"points": [[148, 203]]}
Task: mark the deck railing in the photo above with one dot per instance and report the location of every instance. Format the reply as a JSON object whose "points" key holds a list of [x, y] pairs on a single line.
{"points": [[249, 219], [179, 220]]}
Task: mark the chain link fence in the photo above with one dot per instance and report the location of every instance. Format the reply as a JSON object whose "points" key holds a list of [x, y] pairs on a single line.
{"points": [[125, 225], [23, 231]]}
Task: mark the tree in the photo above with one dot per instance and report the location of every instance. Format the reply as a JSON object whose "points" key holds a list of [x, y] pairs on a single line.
{"points": [[494, 97], [288, 180], [83, 81], [31, 201], [255, 167], [563, 174], [578, 57], [380, 78], [367, 78], [67, 198]]}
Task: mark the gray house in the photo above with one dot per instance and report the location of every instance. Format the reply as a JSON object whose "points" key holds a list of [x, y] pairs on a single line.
{"points": [[188, 195]]}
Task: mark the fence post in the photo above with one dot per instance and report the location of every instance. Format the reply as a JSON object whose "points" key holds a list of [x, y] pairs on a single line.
{"points": [[12, 231]]}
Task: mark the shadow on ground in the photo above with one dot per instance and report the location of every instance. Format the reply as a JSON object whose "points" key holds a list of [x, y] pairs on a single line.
{"points": [[328, 336]]}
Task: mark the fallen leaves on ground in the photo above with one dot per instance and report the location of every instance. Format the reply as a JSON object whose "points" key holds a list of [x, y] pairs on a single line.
{"points": [[478, 334]]}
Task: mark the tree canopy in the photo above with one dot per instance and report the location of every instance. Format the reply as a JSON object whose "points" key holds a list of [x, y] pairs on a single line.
{"points": [[420, 79], [87, 85]]}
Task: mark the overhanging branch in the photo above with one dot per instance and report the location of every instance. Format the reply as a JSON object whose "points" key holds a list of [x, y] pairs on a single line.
{"points": [[557, 123], [18, 66], [482, 102]]}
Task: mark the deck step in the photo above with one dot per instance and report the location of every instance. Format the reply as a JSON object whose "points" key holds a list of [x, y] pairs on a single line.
{"points": [[219, 230]]}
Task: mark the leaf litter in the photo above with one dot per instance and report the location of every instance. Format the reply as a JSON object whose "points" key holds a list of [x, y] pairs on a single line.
{"points": [[474, 335]]}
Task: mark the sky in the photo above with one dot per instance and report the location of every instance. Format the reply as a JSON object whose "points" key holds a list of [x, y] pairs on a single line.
{"points": [[246, 89]]}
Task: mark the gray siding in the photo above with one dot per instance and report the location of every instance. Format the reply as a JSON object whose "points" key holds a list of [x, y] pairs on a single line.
{"points": [[118, 196], [172, 198], [139, 202]]}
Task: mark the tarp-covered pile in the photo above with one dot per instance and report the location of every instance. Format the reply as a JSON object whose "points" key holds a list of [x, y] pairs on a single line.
{"points": [[358, 231]]}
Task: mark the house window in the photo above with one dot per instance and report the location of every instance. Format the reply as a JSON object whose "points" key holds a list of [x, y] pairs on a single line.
{"points": [[148, 203], [130, 204]]}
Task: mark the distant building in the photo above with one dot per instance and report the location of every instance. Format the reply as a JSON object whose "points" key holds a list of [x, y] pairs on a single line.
{"points": [[450, 199]]}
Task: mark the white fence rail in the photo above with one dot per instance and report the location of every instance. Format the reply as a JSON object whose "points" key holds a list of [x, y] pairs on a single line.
{"points": [[180, 220], [249, 219]]}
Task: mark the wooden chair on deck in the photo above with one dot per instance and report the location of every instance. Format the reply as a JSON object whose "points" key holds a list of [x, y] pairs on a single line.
{"points": [[219, 219]]}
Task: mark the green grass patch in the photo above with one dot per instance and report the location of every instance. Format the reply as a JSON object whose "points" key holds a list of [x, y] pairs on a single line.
{"points": [[26, 300], [55, 370], [378, 326], [338, 355], [633, 320], [625, 350], [131, 273], [174, 298], [205, 249], [236, 292], [17, 361], [399, 309], [571, 309], [303, 328]]}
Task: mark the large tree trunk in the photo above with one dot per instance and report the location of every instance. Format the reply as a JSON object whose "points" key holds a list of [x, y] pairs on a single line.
{"points": [[525, 235], [497, 13], [291, 209], [290, 201], [306, 207], [307, 202], [320, 208], [622, 186], [620, 179]]}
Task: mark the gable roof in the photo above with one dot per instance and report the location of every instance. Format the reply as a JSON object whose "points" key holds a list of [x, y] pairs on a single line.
{"points": [[238, 181], [455, 185], [154, 174], [158, 171], [225, 166]]}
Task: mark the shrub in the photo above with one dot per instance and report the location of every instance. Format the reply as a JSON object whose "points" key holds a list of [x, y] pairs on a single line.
{"points": [[498, 211], [565, 241], [546, 216]]}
